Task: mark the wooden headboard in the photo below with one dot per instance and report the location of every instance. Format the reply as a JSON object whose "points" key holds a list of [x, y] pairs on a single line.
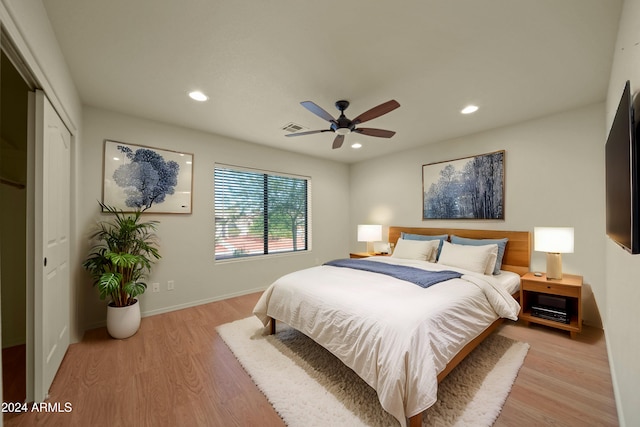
{"points": [[517, 256]]}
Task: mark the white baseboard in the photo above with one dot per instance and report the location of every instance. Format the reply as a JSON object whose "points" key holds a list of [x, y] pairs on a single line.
{"points": [[199, 302], [176, 307], [614, 380]]}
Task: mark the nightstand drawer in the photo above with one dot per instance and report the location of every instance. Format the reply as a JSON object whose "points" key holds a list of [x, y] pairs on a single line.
{"points": [[551, 288]]}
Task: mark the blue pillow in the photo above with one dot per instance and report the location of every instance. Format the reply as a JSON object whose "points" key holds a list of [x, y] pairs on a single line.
{"points": [[423, 237], [502, 243]]}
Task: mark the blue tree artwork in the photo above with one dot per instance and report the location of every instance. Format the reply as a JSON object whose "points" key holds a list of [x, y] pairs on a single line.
{"points": [[470, 188], [147, 179]]}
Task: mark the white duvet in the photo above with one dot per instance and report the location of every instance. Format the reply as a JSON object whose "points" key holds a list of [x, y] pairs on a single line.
{"points": [[395, 335]]}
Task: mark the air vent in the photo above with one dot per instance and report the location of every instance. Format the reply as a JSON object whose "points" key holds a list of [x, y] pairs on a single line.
{"points": [[293, 127]]}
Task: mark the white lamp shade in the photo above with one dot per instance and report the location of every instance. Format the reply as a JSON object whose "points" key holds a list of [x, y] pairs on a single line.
{"points": [[553, 239], [369, 233]]}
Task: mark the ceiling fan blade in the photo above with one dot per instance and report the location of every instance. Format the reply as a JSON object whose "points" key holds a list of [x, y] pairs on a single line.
{"points": [[381, 133], [377, 111], [337, 143], [318, 111], [310, 132]]}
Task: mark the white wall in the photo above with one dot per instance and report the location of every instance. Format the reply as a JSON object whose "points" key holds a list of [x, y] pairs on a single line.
{"points": [[622, 269], [187, 241], [554, 177]]}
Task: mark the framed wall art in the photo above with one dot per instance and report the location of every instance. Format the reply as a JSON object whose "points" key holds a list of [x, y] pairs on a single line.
{"points": [[145, 178], [467, 188]]}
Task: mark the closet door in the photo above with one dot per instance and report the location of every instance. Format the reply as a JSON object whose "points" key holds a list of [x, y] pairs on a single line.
{"points": [[52, 202]]}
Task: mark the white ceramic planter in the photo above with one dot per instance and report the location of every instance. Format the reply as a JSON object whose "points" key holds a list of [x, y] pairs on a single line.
{"points": [[123, 322]]}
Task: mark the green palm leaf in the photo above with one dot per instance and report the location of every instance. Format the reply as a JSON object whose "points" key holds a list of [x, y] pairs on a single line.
{"points": [[108, 284], [123, 252]]}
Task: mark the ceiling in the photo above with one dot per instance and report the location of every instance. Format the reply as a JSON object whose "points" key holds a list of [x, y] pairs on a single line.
{"points": [[257, 60]]}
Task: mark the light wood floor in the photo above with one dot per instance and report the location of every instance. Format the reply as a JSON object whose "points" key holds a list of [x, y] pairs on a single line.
{"points": [[176, 371]]}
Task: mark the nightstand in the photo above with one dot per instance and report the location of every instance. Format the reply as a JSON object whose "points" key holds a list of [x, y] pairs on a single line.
{"points": [[364, 255], [569, 287]]}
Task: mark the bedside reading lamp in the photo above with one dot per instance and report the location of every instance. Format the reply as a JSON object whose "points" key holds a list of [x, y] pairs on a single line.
{"points": [[554, 241], [369, 233]]}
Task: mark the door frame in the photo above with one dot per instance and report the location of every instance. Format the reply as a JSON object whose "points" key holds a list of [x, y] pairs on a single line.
{"points": [[31, 252]]}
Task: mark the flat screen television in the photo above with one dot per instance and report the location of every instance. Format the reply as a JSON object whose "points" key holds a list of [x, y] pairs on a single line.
{"points": [[622, 191]]}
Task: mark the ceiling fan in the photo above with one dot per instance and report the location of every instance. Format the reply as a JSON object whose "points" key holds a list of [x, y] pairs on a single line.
{"points": [[342, 125]]}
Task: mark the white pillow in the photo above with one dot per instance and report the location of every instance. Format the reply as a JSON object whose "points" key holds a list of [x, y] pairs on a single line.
{"points": [[415, 249], [479, 259], [491, 262]]}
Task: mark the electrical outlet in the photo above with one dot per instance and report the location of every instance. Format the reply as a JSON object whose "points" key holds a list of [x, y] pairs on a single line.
{"points": [[171, 285], [155, 287]]}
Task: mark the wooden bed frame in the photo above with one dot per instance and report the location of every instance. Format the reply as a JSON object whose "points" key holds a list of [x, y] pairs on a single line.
{"points": [[516, 258]]}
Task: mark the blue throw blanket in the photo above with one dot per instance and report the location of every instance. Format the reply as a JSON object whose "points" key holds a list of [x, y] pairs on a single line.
{"points": [[422, 278]]}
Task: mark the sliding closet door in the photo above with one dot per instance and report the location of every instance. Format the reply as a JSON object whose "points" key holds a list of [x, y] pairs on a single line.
{"points": [[52, 190]]}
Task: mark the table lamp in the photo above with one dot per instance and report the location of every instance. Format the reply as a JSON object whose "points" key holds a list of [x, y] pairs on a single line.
{"points": [[369, 233], [554, 241]]}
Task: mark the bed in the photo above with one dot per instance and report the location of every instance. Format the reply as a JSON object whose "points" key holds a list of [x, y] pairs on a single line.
{"points": [[400, 338]]}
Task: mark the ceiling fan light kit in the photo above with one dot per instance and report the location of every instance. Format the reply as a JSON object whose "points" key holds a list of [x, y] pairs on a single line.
{"points": [[343, 126]]}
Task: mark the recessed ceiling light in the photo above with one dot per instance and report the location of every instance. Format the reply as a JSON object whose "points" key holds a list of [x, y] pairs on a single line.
{"points": [[469, 109], [198, 96], [356, 145]]}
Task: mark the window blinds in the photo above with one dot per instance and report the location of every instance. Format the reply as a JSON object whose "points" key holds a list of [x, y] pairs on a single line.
{"points": [[259, 212]]}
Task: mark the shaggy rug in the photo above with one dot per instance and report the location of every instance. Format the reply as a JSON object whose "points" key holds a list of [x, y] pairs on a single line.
{"points": [[308, 386]]}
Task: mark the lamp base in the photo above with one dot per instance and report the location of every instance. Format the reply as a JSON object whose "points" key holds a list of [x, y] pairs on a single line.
{"points": [[370, 248], [554, 265]]}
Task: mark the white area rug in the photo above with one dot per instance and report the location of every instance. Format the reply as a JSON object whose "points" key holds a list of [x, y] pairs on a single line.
{"points": [[309, 387]]}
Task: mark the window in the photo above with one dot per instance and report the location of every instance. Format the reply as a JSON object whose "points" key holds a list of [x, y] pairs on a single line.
{"points": [[259, 213]]}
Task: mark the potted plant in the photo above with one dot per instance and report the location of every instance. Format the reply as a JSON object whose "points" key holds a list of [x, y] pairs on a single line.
{"points": [[125, 248]]}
